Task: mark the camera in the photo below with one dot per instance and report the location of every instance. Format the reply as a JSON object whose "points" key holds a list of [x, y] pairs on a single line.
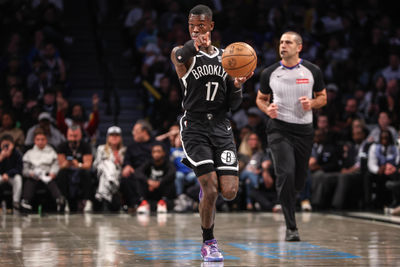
{"points": [[70, 158]]}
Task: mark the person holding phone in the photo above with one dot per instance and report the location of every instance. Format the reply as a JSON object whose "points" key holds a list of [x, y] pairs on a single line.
{"points": [[10, 169], [74, 178]]}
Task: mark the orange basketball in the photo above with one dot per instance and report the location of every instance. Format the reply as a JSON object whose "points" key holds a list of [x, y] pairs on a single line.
{"points": [[239, 59]]}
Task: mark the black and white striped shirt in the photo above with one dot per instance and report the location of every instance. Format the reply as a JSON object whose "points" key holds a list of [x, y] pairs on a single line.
{"points": [[287, 84]]}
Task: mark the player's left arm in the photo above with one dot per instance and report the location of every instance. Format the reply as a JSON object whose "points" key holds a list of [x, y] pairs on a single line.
{"points": [[239, 81], [235, 90]]}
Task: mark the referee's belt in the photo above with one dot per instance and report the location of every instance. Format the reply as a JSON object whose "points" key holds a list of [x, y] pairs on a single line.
{"points": [[209, 116]]}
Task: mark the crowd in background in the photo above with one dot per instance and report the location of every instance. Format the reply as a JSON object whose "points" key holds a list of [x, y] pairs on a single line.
{"points": [[355, 159]]}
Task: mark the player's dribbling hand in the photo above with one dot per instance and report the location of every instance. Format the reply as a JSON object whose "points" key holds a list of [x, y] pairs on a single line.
{"points": [[272, 111], [239, 81], [202, 40], [305, 103]]}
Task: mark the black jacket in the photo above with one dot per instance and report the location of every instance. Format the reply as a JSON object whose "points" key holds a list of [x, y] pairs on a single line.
{"points": [[164, 173], [138, 153], [12, 165]]}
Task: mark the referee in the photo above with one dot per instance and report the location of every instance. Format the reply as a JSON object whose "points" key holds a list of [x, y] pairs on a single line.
{"points": [[289, 90]]}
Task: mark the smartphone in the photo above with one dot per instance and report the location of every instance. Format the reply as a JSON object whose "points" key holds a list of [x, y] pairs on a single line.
{"points": [[70, 158]]}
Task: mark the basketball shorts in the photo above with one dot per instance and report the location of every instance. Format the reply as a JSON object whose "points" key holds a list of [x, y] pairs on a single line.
{"points": [[209, 145]]}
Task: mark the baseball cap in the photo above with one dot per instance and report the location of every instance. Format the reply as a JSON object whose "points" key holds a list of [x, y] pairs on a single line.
{"points": [[45, 116], [114, 130]]}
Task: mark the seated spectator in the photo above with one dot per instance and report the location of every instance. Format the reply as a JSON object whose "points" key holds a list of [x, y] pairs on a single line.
{"points": [[383, 158], [169, 138], [156, 180], [54, 136], [8, 127], [257, 124], [54, 64], [48, 102], [184, 176], [392, 71], [136, 154], [354, 156], [324, 165], [108, 166], [349, 114], [74, 178], [38, 80], [10, 169], [40, 165], [251, 172], [78, 117], [264, 194], [383, 124], [394, 186]]}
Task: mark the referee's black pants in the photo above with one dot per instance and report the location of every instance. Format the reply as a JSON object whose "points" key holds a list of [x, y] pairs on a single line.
{"points": [[290, 146]]}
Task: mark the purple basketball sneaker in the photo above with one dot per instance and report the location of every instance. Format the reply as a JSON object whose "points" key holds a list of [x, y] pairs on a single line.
{"points": [[210, 251]]}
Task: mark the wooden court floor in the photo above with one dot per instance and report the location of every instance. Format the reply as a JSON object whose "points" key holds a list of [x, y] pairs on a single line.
{"points": [[247, 239]]}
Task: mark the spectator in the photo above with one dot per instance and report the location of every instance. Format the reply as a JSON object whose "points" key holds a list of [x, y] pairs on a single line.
{"points": [[349, 113], [184, 176], [169, 138], [256, 122], [10, 168], [54, 136], [352, 171], [40, 165], [48, 102], [383, 158], [136, 154], [323, 164], [38, 80], [251, 172], [18, 105], [392, 71], [8, 127], [78, 117], [108, 165], [264, 194], [156, 180], [54, 64], [74, 178], [394, 186], [383, 125]]}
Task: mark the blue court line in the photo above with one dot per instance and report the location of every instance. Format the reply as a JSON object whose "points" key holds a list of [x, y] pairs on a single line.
{"points": [[190, 250], [167, 249], [291, 251]]}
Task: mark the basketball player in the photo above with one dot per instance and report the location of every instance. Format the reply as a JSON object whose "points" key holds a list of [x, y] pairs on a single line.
{"points": [[207, 138], [289, 90]]}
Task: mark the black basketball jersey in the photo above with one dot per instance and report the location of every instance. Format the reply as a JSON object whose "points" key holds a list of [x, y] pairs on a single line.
{"points": [[204, 84]]}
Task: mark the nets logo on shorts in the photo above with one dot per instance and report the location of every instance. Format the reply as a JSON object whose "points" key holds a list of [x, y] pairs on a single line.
{"points": [[228, 157]]}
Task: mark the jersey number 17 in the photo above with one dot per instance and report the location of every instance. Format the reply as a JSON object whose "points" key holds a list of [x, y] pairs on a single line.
{"points": [[212, 88]]}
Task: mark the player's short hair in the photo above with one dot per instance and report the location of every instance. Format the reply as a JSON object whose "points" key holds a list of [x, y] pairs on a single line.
{"points": [[202, 10], [297, 37]]}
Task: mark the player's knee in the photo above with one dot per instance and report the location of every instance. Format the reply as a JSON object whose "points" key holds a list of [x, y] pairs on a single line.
{"points": [[210, 192], [229, 193]]}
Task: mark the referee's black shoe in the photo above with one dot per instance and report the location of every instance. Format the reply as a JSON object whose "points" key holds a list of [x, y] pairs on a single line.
{"points": [[292, 235]]}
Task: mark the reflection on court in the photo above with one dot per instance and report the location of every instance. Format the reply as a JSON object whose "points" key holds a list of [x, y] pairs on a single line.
{"points": [[247, 239]]}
